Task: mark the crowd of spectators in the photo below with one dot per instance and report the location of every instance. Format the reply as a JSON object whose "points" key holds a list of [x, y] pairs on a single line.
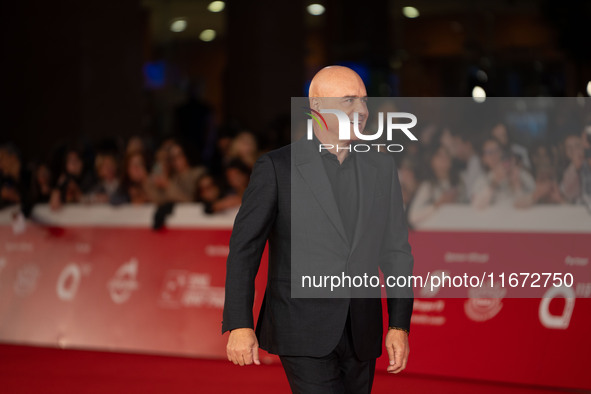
{"points": [[488, 168], [449, 165], [131, 172]]}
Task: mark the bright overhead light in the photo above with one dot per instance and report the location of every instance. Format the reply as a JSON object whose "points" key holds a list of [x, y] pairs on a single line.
{"points": [[216, 6], [178, 25], [410, 12], [315, 9], [478, 94], [207, 35], [589, 88]]}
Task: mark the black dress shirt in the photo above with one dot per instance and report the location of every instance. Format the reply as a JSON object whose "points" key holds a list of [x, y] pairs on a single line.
{"points": [[343, 180]]}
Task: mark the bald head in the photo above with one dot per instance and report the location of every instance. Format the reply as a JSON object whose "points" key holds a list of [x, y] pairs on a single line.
{"points": [[338, 88], [337, 81]]}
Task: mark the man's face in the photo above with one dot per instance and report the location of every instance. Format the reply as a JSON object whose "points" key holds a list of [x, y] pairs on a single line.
{"points": [[345, 94], [349, 105]]}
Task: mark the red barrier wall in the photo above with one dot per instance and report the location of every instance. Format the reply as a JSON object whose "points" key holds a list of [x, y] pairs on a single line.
{"points": [[128, 288]]}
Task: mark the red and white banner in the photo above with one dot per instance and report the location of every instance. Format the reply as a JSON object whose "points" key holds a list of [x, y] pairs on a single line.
{"points": [[100, 278]]}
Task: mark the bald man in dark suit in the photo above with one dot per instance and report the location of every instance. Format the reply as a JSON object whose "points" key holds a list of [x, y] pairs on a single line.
{"points": [[338, 210]]}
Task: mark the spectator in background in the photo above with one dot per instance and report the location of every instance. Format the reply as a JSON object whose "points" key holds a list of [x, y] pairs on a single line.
{"points": [[237, 177], [14, 179], [505, 181], [465, 152], [208, 190], [108, 188], [136, 182], [224, 138], [182, 176], [586, 168], [161, 168], [543, 156], [446, 139], [164, 188], [501, 134], [586, 137], [244, 148], [407, 175], [546, 190], [41, 187], [72, 183], [135, 144], [428, 134], [442, 186], [571, 179]]}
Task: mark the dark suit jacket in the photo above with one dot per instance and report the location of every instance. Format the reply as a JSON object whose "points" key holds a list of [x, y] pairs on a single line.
{"points": [[289, 202]]}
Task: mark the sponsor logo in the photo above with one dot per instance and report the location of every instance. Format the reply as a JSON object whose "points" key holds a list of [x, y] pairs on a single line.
{"points": [[124, 282], [472, 257], [583, 290], [484, 302], [428, 313], [69, 280], [428, 306], [26, 280], [562, 321], [429, 290], [190, 289], [576, 261], [217, 250], [428, 320]]}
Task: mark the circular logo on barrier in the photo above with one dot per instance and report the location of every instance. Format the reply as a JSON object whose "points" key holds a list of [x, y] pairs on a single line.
{"points": [[124, 282], [562, 321], [69, 280]]}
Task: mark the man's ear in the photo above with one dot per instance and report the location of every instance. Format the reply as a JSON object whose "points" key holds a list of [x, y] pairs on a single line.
{"points": [[315, 103]]}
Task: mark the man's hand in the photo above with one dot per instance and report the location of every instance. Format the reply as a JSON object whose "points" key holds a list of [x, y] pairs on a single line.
{"points": [[243, 347], [397, 347]]}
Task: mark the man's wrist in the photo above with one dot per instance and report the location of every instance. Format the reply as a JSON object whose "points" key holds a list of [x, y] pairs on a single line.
{"points": [[240, 328], [398, 329]]}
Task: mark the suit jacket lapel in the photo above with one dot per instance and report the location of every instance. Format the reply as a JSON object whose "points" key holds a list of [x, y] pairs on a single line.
{"points": [[310, 166]]}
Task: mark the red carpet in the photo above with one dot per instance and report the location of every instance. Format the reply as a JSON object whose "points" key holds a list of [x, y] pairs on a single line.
{"points": [[26, 369]]}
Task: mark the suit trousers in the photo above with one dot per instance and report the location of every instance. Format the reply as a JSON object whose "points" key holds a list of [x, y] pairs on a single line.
{"points": [[338, 372]]}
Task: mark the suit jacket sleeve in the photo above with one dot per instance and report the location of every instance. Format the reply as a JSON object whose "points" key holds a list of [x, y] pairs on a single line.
{"points": [[247, 243], [396, 258]]}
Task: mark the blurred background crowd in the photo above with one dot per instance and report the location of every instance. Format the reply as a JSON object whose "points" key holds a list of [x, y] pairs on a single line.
{"points": [[165, 101], [452, 164], [132, 171], [491, 167]]}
